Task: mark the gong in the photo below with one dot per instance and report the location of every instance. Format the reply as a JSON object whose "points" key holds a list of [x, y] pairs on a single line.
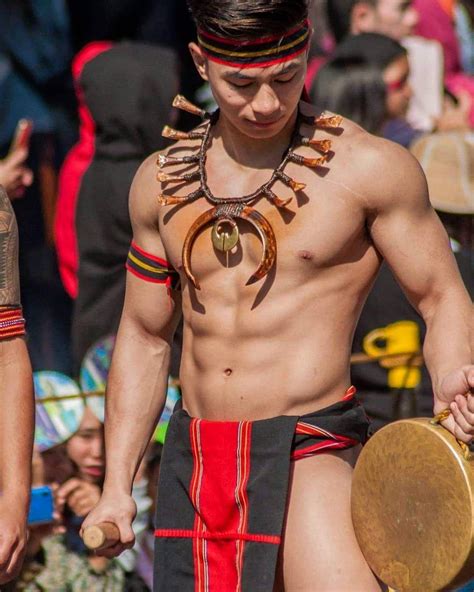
{"points": [[412, 507]]}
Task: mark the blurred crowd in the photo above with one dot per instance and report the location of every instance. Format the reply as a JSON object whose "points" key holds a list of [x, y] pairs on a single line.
{"points": [[86, 88]]}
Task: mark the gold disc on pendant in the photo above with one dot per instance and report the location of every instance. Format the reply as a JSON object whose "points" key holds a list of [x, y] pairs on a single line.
{"points": [[223, 238]]}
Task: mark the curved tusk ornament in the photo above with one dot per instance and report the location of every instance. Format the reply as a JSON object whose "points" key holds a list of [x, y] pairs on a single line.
{"points": [[227, 214], [268, 239], [202, 221]]}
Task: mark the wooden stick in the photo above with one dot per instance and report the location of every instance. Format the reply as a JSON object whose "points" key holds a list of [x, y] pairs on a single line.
{"points": [[410, 359], [101, 536]]}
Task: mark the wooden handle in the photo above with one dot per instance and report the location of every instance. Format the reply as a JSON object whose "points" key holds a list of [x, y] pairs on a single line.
{"points": [[101, 536]]}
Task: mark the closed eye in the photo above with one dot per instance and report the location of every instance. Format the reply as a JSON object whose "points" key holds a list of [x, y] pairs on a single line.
{"points": [[286, 80], [240, 84]]}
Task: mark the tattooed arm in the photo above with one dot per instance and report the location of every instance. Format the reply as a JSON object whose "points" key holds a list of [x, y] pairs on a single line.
{"points": [[16, 403]]}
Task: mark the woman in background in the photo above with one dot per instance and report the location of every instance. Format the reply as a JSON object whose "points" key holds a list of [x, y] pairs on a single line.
{"points": [[367, 81]]}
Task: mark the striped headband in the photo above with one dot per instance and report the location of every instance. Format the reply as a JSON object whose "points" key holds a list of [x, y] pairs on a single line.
{"points": [[266, 51]]}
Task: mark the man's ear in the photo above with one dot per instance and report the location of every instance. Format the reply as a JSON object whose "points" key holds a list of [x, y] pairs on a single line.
{"points": [[362, 18], [199, 60]]}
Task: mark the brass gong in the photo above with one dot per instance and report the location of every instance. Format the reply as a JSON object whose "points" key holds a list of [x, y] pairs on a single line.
{"points": [[412, 507]]}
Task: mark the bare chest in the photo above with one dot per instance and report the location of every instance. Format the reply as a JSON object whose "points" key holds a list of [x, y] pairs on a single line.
{"points": [[322, 226]]}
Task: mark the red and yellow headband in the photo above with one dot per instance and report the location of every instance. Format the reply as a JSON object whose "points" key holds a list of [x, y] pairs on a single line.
{"points": [[266, 51]]}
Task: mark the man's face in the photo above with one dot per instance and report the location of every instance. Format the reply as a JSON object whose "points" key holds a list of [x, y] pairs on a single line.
{"points": [[258, 102], [394, 18]]}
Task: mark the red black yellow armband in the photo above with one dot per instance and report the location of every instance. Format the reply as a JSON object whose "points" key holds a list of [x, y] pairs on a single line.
{"points": [[151, 269], [12, 323]]}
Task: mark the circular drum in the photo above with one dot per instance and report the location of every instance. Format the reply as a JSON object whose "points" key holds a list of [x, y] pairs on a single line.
{"points": [[412, 507]]}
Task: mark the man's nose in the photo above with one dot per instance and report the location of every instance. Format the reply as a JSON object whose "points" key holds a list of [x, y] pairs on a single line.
{"points": [[266, 102]]}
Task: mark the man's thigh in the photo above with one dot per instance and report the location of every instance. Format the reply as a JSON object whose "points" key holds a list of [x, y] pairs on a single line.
{"points": [[319, 552]]}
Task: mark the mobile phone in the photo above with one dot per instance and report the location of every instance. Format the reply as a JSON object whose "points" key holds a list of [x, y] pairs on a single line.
{"points": [[41, 506], [21, 138]]}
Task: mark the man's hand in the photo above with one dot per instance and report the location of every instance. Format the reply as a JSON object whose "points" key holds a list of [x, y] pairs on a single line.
{"points": [[15, 176], [13, 537], [119, 509], [79, 495], [457, 393]]}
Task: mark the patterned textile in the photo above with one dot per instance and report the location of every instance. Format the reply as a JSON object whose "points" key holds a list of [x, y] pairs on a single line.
{"points": [[222, 494], [150, 268], [12, 323], [65, 571]]}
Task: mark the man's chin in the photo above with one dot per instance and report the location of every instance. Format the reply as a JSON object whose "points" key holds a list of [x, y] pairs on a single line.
{"points": [[263, 131]]}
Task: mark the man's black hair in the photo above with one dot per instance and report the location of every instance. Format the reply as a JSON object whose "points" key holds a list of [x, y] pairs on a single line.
{"points": [[339, 14], [247, 18]]}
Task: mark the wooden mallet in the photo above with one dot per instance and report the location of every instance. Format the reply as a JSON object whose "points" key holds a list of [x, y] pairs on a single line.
{"points": [[101, 536]]}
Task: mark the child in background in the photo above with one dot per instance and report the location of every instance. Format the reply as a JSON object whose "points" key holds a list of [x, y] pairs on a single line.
{"points": [[57, 558]]}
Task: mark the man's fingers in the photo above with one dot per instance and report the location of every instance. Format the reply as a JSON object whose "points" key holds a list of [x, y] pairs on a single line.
{"points": [[7, 545], [463, 406], [15, 562], [462, 428], [127, 540], [112, 552], [470, 376], [461, 421], [10, 554]]}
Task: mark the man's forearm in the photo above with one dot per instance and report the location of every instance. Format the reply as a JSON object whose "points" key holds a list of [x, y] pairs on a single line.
{"points": [[16, 421], [136, 396], [449, 338]]}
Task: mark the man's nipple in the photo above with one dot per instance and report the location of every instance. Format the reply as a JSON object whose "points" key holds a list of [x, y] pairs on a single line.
{"points": [[305, 255]]}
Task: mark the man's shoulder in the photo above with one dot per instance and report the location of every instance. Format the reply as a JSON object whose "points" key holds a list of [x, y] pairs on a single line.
{"points": [[380, 169]]}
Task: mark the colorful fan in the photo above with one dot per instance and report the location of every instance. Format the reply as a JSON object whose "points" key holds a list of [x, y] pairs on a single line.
{"points": [[93, 379], [172, 398], [59, 408], [94, 372]]}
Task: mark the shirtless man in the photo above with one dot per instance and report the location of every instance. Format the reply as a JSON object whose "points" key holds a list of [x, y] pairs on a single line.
{"points": [[16, 402], [279, 344]]}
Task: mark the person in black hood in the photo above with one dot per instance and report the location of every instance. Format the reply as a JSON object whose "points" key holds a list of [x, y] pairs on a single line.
{"points": [[128, 91]]}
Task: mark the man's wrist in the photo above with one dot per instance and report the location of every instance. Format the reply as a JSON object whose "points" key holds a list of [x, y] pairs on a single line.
{"points": [[18, 493], [114, 486], [17, 501]]}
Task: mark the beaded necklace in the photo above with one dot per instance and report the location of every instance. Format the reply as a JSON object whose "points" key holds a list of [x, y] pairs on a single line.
{"points": [[227, 210]]}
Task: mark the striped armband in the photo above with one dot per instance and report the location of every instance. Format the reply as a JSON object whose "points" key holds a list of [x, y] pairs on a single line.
{"points": [[151, 268], [12, 323]]}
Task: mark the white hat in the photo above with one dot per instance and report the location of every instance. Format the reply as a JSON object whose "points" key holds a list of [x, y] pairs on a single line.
{"points": [[448, 162]]}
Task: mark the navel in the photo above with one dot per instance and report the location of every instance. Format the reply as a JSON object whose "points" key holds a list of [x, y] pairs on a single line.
{"points": [[228, 371]]}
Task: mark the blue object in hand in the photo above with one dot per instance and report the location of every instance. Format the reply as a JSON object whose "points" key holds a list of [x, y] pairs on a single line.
{"points": [[41, 506]]}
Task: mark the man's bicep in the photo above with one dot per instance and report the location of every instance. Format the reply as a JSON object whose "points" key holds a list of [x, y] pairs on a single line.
{"points": [[153, 298], [419, 254], [410, 236], [153, 310]]}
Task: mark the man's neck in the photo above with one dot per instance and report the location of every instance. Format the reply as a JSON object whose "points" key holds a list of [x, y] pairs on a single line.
{"points": [[251, 152]]}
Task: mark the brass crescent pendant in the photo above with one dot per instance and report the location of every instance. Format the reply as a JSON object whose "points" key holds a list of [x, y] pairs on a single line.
{"points": [[259, 222], [223, 240]]}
